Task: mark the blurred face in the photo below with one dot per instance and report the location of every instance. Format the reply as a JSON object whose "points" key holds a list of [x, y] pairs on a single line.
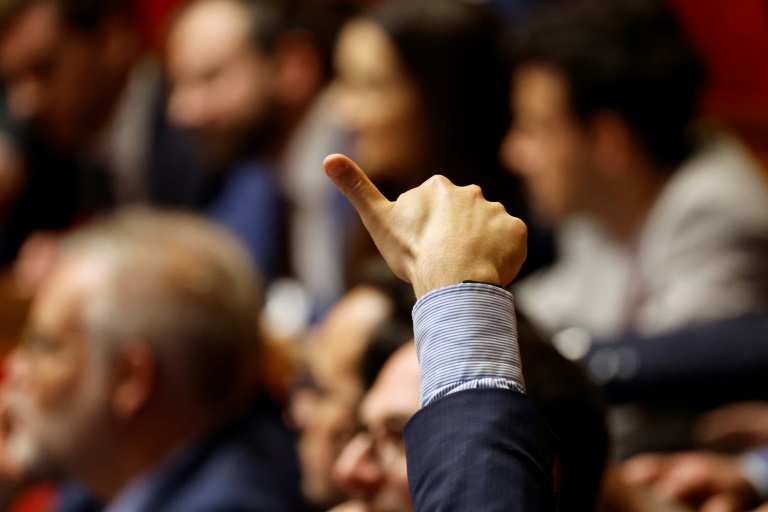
{"points": [[54, 404], [372, 468], [380, 104], [334, 363], [223, 86], [56, 77], [546, 145]]}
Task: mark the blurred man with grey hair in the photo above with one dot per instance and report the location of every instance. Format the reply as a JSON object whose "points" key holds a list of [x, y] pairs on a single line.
{"points": [[136, 376]]}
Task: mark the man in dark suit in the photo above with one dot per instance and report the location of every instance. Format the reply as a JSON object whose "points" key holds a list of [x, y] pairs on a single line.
{"points": [[478, 442], [246, 77], [84, 111], [136, 376]]}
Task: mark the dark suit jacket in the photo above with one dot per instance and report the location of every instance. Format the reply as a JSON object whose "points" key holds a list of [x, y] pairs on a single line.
{"points": [[249, 465], [480, 450]]}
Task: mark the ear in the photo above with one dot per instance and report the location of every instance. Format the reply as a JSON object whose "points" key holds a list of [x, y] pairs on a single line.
{"points": [[135, 378], [300, 73], [613, 144]]}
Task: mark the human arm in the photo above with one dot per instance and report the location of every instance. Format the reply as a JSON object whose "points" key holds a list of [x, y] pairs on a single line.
{"points": [[474, 449]]}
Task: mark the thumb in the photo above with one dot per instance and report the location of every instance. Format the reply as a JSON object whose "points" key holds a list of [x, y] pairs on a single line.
{"points": [[355, 185]]}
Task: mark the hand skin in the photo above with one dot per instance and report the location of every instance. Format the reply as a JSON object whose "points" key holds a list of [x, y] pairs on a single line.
{"points": [[437, 234], [706, 481]]}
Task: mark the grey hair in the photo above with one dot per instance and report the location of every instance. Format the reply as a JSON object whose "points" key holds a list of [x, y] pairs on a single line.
{"points": [[179, 283]]}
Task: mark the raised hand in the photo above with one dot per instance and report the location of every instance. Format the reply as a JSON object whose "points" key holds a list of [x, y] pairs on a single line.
{"points": [[436, 234]]}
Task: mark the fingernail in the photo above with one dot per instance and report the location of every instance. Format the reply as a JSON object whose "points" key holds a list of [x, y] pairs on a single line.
{"points": [[335, 167]]}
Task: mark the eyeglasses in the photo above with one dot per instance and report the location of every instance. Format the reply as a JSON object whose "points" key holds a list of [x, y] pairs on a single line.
{"points": [[385, 443]]}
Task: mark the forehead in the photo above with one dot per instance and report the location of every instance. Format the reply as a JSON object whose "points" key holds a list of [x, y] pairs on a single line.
{"points": [[209, 31], [344, 332], [32, 32], [59, 303], [365, 49], [539, 88], [396, 390]]}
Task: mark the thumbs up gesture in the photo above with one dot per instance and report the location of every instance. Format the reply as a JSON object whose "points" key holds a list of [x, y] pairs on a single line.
{"points": [[437, 234]]}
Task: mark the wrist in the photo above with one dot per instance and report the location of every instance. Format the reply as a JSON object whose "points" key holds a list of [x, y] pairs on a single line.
{"points": [[466, 332], [449, 275]]}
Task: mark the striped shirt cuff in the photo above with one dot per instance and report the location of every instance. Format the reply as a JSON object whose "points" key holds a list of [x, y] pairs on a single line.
{"points": [[466, 338]]}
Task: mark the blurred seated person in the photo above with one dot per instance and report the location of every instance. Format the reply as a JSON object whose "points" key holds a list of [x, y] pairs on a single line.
{"points": [[243, 74], [84, 118], [138, 375], [371, 468], [323, 408], [423, 90], [337, 354], [663, 223]]}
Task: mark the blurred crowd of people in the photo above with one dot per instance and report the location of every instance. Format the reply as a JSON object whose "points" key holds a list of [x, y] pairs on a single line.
{"points": [[209, 326]]}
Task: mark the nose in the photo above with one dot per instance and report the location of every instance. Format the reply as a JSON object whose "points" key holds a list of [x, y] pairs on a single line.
{"points": [[356, 470]]}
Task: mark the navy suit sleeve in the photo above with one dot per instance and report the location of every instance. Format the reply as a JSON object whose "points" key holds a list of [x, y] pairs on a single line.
{"points": [[709, 364], [480, 449]]}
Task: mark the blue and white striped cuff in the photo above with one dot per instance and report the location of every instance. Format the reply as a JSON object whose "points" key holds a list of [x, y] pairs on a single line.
{"points": [[466, 338]]}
